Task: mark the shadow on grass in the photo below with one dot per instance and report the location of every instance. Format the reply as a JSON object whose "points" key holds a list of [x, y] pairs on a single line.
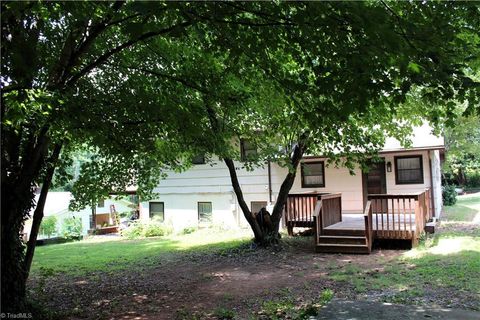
{"points": [[82, 257]]}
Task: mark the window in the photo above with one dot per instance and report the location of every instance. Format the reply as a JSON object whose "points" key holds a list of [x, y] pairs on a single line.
{"points": [[199, 159], [101, 203], [257, 205], [409, 170], [157, 210], [247, 150], [204, 212], [313, 174]]}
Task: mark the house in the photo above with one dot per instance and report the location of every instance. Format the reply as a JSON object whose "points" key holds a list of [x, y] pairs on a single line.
{"points": [[57, 205], [204, 193]]}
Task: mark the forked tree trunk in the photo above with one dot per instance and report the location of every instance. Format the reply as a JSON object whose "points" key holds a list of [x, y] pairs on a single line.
{"points": [[257, 231], [263, 236], [17, 200], [13, 272]]}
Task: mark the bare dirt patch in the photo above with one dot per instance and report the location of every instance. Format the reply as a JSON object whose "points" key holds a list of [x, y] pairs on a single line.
{"points": [[240, 280]]}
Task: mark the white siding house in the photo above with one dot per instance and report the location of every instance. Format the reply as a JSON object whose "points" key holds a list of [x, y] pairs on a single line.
{"points": [[184, 198], [57, 205]]}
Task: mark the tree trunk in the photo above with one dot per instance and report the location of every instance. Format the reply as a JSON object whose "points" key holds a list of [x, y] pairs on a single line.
{"points": [[38, 214], [17, 200], [461, 178], [13, 272], [286, 186], [272, 235], [257, 231], [15, 206]]}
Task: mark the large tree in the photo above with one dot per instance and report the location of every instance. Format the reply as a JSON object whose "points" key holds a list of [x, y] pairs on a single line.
{"points": [[462, 142], [331, 78], [145, 84], [47, 50]]}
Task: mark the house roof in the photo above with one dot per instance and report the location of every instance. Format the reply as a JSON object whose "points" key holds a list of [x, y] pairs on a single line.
{"points": [[422, 138]]}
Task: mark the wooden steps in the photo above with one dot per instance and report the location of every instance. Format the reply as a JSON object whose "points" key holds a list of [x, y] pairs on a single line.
{"points": [[344, 232], [342, 248], [341, 239], [342, 242]]}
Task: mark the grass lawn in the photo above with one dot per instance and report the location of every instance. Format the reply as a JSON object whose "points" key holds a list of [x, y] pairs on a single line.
{"points": [[448, 262], [466, 209], [210, 274], [115, 253]]}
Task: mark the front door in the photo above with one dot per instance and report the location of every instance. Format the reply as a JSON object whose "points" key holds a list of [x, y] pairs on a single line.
{"points": [[375, 181]]}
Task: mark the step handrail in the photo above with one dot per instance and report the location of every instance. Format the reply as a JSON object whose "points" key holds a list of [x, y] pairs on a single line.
{"points": [[367, 216], [331, 209], [317, 217]]}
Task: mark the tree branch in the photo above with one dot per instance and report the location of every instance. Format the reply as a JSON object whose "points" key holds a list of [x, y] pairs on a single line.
{"points": [[104, 57], [177, 79], [399, 20]]}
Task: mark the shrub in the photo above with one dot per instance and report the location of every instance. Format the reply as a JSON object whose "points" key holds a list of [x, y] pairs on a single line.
{"points": [[133, 231], [473, 180], [151, 229], [189, 230], [449, 195], [155, 229], [48, 226], [72, 228]]}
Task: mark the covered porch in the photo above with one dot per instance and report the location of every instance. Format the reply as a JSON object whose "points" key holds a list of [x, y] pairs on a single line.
{"points": [[386, 216]]}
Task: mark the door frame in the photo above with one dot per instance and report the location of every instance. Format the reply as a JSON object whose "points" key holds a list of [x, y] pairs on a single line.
{"points": [[365, 178]]}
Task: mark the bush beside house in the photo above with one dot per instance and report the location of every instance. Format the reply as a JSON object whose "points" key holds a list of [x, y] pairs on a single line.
{"points": [[72, 228], [152, 228], [48, 227], [449, 195]]}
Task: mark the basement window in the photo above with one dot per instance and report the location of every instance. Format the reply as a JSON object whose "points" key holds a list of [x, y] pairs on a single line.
{"points": [[157, 210], [204, 213]]}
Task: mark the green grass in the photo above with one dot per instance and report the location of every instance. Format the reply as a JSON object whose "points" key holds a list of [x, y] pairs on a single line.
{"points": [[450, 260], [101, 254], [466, 209], [287, 307]]}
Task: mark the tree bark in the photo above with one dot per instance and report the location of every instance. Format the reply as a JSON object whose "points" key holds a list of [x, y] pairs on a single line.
{"points": [[17, 200], [38, 213], [286, 186], [260, 236], [257, 231]]}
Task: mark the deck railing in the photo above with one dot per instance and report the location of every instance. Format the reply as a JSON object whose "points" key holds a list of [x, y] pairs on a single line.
{"points": [[401, 216], [331, 212], [299, 210], [328, 211]]}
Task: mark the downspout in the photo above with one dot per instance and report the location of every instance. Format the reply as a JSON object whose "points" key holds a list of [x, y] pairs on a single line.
{"points": [[237, 213], [269, 183], [432, 188]]}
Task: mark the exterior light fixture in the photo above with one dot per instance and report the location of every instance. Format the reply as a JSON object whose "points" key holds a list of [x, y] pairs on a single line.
{"points": [[389, 166]]}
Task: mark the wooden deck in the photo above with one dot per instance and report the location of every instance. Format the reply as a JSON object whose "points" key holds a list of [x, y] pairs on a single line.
{"points": [[385, 217], [399, 227]]}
